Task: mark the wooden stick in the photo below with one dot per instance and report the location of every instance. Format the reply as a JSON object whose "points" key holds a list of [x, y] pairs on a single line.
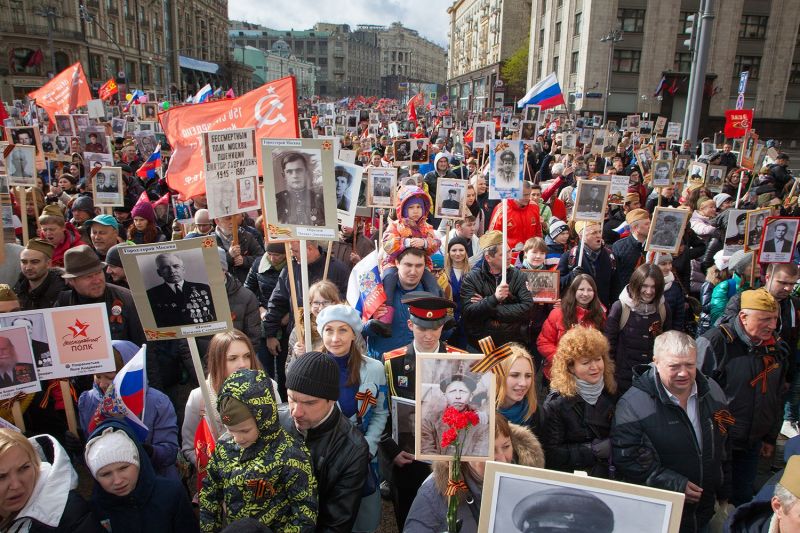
{"points": [[23, 211], [16, 413], [235, 241], [355, 236], [505, 240], [583, 244], [69, 408], [739, 189], [304, 281], [292, 287], [211, 409], [327, 260]]}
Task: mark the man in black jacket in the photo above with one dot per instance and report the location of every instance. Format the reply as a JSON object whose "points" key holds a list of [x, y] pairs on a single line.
{"points": [[338, 450], [39, 284], [598, 261], [670, 429], [490, 307], [629, 252]]}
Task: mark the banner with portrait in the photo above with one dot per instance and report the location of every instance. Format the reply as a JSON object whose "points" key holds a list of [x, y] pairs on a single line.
{"points": [[107, 187], [506, 169], [231, 169]]}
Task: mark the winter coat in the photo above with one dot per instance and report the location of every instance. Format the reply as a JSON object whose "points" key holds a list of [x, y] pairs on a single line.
{"points": [[752, 377], [693, 248], [654, 443], [629, 254], [554, 253], [752, 517], [156, 504], [251, 252], [505, 321], [603, 270], [723, 292], [396, 235], [523, 222], [261, 279], [702, 226], [340, 456], [633, 344], [341, 250], [676, 302], [271, 480], [570, 426], [43, 296], [55, 505], [428, 513], [72, 238], [244, 309], [552, 331]]}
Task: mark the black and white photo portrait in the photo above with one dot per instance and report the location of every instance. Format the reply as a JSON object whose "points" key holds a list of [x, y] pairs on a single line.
{"points": [[505, 169], [107, 187], [450, 198], [404, 423], [532, 113], [779, 240], [666, 229], [64, 125], [246, 195], [591, 198], [344, 185], [420, 153], [118, 126], [402, 150], [735, 231], [21, 165], [662, 173], [81, 121], [34, 323], [62, 145], [181, 298], [716, 177], [755, 227], [527, 130], [297, 200]]}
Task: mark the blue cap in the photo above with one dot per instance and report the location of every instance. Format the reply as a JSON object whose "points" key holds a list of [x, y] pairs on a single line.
{"points": [[105, 220]]}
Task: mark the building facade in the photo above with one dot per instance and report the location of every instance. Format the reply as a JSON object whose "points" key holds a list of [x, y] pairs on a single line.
{"points": [[347, 61], [277, 63], [483, 34], [407, 58], [756, 35], [170, 47]]}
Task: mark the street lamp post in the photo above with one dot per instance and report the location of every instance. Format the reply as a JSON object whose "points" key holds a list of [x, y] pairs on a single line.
{"points": [[613, 37], [87, 17]]}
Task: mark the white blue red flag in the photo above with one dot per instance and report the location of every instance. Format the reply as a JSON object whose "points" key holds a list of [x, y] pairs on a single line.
{"points": [[150, 168], [203, 94], [364, 288], [546, 93]]}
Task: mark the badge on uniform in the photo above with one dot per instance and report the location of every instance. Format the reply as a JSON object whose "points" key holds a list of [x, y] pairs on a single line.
{"points": [[402, 381]]}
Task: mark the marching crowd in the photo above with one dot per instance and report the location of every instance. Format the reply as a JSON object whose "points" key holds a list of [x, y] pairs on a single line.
{"points": [[678, 372]]}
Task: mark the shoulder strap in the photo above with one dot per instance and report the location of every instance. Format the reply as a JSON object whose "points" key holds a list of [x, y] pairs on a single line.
{"points": [[626, 313], [662, 311]]}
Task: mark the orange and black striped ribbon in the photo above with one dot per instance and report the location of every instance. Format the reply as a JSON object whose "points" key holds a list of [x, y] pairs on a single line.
{"points": [[366, 398], [724, 418], [454, 486], [769, 365], [493, 356]]}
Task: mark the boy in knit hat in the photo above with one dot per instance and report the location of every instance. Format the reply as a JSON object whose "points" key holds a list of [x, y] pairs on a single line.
{"points": [[258, 471]]}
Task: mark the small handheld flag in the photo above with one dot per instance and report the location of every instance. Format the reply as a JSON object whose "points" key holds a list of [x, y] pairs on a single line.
{"points": [[150, 168]]}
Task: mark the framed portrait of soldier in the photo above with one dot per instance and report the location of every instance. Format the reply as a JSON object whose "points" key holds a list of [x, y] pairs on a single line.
{"points": [[680, 168], [381, 187], [542, 284], [21, 165], [532, 113], [64, 125], [633, 123], [348, 183], [666, 230], [715, 177], [590, 200], [755, 228], [451, 197], [697, 173], [619, 187], [81, 121], [778, 241], [527, 131], [95, 141], [419, 150], [146, 143], [178, 287], [18, 373], [530, 499], [299, 188], [150, 110], [118, 126], [569, 143], [404, 422], [662, 173], [146, 125], [447, 381], [402, 151], [660, 124], [735, 231], [107, 187], [447, 121], [506, 168], [646, 128], [645, 158], [479, 136]]}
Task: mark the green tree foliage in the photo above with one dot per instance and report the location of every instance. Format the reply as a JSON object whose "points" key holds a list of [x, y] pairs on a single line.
{"points": [[515, 71]]}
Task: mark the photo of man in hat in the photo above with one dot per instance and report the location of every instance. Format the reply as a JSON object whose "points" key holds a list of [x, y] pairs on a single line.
{"points": [[506, 174], [176, 301], [344, 181], [665, 231], [93, 144], [451, 205], [590, 201], [420, 154]]}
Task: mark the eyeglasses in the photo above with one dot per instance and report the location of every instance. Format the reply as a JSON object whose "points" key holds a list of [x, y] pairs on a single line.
{"points": [[323, 303]]}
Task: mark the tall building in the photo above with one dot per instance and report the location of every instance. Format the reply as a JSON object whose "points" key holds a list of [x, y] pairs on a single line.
{"points": [[407, 58], [277, 63], [760, 36], [347, 61], [483, 34], [165, 47]]}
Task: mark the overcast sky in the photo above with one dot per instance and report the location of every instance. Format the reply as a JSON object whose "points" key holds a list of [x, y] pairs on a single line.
{"points": [[428, 17]]}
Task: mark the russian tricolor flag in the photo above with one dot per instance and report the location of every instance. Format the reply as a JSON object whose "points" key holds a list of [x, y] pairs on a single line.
{"points": [[131, 386], [149, 168], [365, 289], [546, 93], [203, 94]]}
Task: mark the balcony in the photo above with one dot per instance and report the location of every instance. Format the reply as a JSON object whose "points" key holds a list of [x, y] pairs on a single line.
{"points": [[92, 3], [40, 30]]}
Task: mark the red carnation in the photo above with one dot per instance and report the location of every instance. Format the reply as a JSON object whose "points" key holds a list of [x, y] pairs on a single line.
{"points": [[472, 417], [449, 437]]}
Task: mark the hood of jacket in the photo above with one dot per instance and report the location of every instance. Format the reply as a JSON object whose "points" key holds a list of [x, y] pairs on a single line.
{"points": [[147, 476], [527, 452], [126, 349], [56, 479], [254, 389], [410, 191], [641, 308], [439, 156]]}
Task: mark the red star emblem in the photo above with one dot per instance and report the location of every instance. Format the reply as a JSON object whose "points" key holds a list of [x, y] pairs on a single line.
{"points": [[79, 329]]}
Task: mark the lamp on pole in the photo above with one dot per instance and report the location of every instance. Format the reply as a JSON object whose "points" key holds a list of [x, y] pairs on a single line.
{"points": [[613, 37], [88, 17]]}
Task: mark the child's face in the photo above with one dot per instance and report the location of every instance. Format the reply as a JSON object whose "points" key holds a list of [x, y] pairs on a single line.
{"points": [[140, 223], [535, 257], [414, 212], [245, 434], [104, 380], [562, 237]]}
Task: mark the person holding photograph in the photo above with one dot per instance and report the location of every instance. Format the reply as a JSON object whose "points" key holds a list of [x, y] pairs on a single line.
{"points": [[580, 306], [692, 457], [629, 251], [513, 444], [362, 396], [635, 320], [580, 406], [598, 262]]}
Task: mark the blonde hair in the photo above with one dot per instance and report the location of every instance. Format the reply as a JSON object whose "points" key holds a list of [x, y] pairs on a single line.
{"points": [[8, 440], [577, 343], [517, 352]]}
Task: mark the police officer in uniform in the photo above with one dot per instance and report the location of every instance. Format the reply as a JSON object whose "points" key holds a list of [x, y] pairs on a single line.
{"points": [[427, 316], [177, 302], [299, 204]]}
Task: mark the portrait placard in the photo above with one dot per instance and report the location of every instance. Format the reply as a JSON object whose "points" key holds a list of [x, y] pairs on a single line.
{"points": [[95, 108], [680, 169], [402, 151], [673, 131], [645, 158], [20, 163], [755, 228], [591, 199], [299, 189], [451, 196], [569, 143], [528, 130], [697, 173], [513, 496], [735, 231], [231, 170], [505, 169], [145, 142], [662, 173], [666, 230], [661, 123], [381, 187], [619, 187], [645, 128], [81, 121], [107, 187], [447, 121], [445, 380], [404, 423], [178, 288], [778, 241], [64, 125], [532, 113], [118, 127], [542, 284], [95, 140], [18, 371], [748, 153], [632, 123], [419, 150], [348, 185], [715, 177]]}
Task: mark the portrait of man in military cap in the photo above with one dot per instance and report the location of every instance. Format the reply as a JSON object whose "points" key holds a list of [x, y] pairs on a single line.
{"points": [[666, 229], [297, 200]]}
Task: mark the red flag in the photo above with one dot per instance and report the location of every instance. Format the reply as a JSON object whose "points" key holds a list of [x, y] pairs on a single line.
{"points": [[203, 448], [35, 58], [737, 122], [3, 111], [271, 110], [108, 89], [412, 111], [64, 93]]}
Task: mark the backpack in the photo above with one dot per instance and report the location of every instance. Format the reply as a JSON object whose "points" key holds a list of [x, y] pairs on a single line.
{"points": [[626, 313]]}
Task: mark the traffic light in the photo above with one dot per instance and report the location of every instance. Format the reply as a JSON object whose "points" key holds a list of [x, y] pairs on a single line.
{"points": [[692, 31]]}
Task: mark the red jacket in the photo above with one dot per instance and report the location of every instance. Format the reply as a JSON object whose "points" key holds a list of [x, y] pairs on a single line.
{"points": [[523, 222], [72, 238], [552, 331]]}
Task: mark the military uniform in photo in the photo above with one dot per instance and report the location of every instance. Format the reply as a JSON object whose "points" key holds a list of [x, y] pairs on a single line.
{"points": [[451, 204], [179, 306], [306, 208], [19, 375]]}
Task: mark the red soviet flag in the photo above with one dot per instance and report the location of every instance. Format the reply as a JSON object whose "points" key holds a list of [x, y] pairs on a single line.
{"points": [[737, 122], [271, 110], [65, 93], [203, 448], [108, 89]]}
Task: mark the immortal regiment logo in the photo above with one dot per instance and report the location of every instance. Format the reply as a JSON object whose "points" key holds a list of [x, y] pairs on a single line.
{"points": [[78, 339]]}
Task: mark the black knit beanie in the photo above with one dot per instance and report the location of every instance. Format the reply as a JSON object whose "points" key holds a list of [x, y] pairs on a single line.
{"points": [[315, 374]]}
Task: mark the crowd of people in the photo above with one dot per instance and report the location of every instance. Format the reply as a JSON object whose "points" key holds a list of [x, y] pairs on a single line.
{"points": [[678, 372]]}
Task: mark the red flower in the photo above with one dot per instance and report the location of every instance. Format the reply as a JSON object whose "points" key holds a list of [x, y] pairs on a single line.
{"points": [[453, 418], [449, 437], [472, 417]]}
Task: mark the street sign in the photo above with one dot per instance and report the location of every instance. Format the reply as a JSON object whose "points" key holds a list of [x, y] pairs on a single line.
{"points": [[743, 80], [740, 101]]}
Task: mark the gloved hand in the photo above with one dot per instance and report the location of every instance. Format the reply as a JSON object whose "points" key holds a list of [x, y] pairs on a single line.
{"points": [[601, 448]]}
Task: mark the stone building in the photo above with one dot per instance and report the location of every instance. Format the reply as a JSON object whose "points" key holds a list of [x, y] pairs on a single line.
{"points": [[407, 58], [277, 63]]}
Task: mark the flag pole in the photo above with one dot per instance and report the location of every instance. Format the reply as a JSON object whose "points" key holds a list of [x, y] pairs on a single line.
{"points": [[69, 407], [211, 409], [505, 240]]}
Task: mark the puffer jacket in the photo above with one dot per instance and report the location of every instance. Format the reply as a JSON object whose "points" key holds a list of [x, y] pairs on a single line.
{"points": [[394, 238], [278, 465], [633, 344], [262, 278], [340, 456], [428, 513], [645, 452], [524, 222], [552, 331], [505, 321], [724, 291], [571, 424]]}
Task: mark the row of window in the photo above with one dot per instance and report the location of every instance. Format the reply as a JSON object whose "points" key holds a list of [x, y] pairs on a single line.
{"points": [[141, 73]]}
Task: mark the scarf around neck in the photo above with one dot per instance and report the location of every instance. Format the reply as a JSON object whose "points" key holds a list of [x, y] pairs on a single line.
{"points": [[590, 392], [636, 306]]}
